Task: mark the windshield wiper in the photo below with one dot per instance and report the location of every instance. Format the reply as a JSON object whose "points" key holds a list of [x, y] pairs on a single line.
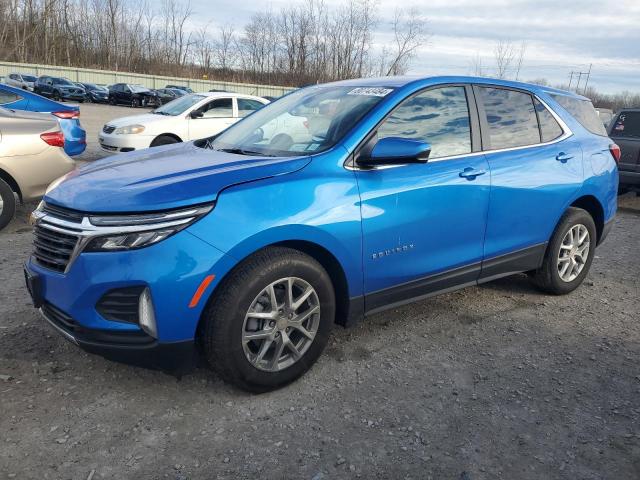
{"points": [[155, 112], [242, 151]]}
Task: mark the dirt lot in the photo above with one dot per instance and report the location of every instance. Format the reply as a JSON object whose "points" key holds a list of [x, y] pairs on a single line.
{"points": [[497, 381]]}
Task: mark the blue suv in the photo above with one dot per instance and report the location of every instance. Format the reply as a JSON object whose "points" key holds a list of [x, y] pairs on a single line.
{"points": [[332, 203]]}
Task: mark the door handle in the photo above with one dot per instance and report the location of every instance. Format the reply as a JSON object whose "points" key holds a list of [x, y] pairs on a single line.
{"points": [[564, 157], [471, 173]]}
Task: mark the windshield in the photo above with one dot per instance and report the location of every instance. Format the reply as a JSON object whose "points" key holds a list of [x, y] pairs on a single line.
{"points": [[306, 121], [179, 105], [62, 81], [138, 88], [29, 78]]}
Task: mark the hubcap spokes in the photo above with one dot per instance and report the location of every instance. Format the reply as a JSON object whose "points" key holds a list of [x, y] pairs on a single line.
{"points": [[281, 324], [574, 252]]}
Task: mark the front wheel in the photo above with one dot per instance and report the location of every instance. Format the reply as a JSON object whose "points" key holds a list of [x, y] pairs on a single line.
{"points": [[569, 253], [269, 320]]}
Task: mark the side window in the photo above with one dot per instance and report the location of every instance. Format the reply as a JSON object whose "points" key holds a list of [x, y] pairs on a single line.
{"points": [[8, 97], [13, 76], [549, 126], [511, 117], [439, 116], [218, 108], [583, 112], [247, 106], [627, 125]]}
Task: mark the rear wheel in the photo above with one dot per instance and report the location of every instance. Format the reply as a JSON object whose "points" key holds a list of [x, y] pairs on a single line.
{"points": [[270, 320], [164, 140], [569, 253], [57, 97], [7, 204]]}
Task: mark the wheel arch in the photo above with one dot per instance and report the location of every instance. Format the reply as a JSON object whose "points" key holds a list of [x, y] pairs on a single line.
{"points": [[172, 135], [593, 206], [4, 175]]}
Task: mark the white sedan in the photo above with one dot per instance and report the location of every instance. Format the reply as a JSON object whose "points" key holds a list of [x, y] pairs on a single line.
{"points": [[190, 117]]}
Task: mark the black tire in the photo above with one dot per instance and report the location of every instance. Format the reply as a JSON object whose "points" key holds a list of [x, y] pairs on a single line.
{"points": [[57, 97], [223, 318], [547, 278], [8, 204], [164, 140], [112, 101], [135, 102]]}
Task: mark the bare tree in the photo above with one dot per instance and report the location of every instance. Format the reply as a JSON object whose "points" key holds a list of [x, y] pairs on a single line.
{"points": [[506, 54], [477, 68], [409, 34]]}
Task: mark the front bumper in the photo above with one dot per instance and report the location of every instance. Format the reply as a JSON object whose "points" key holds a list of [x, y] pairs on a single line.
{"points": [[123, 143], [73, 96], [134, 348]]}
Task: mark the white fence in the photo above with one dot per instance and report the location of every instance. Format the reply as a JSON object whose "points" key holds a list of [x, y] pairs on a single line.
{"points": [[105, 77]]}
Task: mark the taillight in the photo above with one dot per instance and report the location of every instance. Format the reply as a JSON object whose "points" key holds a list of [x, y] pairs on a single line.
{"points": [[615, 152], [55, 139], [67, 114]]}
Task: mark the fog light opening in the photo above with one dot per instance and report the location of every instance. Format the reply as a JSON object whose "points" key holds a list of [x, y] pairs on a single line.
{"points": [[146, 314]]}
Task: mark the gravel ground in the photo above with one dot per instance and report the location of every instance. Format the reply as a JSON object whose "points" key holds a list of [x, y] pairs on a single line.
{"points": [[497, 381]]}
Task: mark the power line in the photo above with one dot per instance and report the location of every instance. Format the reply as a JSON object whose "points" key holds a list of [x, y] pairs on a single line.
{"points": [[587, 74]]}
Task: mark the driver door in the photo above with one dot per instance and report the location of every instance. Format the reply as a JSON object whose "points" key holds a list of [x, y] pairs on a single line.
{"points": [[217, 115], [423, 224]]}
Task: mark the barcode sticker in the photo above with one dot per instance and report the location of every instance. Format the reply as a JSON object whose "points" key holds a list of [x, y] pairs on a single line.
{"points": [[371, 91]]}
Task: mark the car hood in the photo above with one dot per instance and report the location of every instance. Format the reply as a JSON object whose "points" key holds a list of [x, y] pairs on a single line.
{"points": [[144, 119], [161, 178]]}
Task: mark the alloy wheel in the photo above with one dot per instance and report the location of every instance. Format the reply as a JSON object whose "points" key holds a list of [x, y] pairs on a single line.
{"points": [[281, 324], [1, 205], [573, 254]]}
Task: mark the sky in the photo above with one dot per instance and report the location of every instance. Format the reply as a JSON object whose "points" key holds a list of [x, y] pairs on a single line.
{"points": [[560, 35]]}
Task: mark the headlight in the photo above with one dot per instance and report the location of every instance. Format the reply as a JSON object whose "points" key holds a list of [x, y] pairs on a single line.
{"points": [[129, 232], [129, 130]]}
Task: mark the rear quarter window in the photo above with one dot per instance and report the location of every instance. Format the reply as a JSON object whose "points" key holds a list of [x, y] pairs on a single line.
{"points": [[627, 125], [583, 112]]}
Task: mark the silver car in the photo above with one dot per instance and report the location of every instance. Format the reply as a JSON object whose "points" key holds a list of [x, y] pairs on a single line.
{"points": [[31, 157], [21, 80]]}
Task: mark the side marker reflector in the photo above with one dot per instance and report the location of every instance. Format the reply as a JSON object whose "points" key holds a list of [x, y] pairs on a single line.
{"points": [[201, 289]]}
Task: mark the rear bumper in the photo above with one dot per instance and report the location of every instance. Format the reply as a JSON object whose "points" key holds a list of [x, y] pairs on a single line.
{"points": [[628, 178], [132, 348]]}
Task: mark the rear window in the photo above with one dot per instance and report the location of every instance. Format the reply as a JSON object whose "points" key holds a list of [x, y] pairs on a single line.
{"points": [[583, 112], [627, 125], [550, 129]]}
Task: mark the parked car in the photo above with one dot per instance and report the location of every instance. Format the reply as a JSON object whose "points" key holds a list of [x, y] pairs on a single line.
{"points": [[180, 87], [68, 116], [31, 157], [625, 131], [254, 247], [96, 93], [189, 117], [132, 95], [168, 94], [59, 89], [21, 80]]}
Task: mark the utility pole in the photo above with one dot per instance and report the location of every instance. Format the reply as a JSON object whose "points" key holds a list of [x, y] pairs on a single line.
{"points": [[587, 81], [570, 80]]}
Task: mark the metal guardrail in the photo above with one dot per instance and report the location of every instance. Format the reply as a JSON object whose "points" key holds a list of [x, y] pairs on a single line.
{"points": [[106, 77]]}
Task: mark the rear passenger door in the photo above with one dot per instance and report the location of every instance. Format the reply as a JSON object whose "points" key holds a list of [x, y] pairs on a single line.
{"points": [[535, 169]]}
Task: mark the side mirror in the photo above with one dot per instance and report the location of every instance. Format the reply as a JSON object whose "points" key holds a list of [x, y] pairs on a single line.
{"points": [[196, 114], [395, 151]]}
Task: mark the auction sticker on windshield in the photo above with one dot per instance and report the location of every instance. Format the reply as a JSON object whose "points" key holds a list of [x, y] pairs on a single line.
{"points": [[371, 91]]}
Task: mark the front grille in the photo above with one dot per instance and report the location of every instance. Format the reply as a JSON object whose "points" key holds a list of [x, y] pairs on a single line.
{"points": [[114, 337], [62, 213], [53, 249], [120, 304], [108, 128]]}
